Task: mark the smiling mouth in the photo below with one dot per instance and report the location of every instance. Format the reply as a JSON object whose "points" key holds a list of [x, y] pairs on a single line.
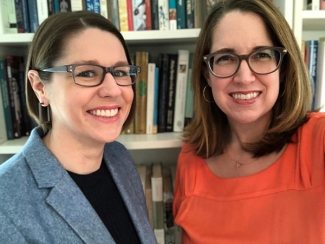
{"points": [[104, 113], [240, 96]]}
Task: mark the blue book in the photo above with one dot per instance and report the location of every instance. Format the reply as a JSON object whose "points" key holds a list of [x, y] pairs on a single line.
{"points": [[156, 98], [56, 6], [33, 15], [181, 14], [22, 16], [93, 6]]}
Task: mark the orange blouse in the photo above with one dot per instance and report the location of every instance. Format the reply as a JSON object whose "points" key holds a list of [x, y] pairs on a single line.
{"points": [[284, 203]]}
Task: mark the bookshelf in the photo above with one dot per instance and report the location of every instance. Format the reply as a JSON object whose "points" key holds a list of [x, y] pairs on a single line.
{"points": [[165, 146]]}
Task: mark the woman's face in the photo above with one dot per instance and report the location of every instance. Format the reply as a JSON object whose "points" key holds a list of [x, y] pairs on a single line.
{"points": [[245, 97], [90, 113]]}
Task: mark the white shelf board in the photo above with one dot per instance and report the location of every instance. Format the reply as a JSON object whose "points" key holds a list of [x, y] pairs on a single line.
{"points": [[131, 142], [313, 20], [131, 37]]}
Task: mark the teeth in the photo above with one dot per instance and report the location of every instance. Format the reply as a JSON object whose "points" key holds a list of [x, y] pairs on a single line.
{"points": [[245, 96], [104, 113]]}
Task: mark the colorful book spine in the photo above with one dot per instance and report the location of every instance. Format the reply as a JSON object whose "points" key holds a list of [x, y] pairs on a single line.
{"points": [[181, 14], [150, 97], [163, 10], [148, 15], [141, 60], [139, 15], [163, 89], [129, 9], [181, 84], [171, 91], [32, 14], [123, 15], [172, 15], [93, 6], [320, 81], [189, 104], [56, 6], [5, 118], [155, 105]]}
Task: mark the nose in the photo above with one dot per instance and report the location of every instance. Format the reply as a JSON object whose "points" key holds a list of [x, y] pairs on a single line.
{"points": [[244, 74], [109, 87]]}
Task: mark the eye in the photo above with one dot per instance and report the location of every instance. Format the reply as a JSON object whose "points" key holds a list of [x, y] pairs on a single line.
{"points": [[264, 54], [120, 73], [224, 59], [87, 73]]}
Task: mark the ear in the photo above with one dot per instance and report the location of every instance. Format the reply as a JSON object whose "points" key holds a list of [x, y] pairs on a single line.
{"points": [[206, 74], [38, 87]]}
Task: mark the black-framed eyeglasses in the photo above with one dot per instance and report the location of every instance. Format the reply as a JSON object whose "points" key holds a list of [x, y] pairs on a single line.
{"points": [[91, 75], [262, 61]]}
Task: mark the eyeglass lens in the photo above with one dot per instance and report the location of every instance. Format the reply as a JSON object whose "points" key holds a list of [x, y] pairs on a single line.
{"points": [[92, 75], [261, 61]]}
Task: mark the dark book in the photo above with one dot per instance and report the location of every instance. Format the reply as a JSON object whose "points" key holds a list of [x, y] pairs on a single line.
{"points": [[172, 67], [22, 16], [181, 14], [50, 6], [32, 15], [163, 91], [189, 14], [155, 14]]}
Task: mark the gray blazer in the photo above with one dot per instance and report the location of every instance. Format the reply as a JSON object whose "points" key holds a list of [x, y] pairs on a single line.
{"points": [[40, 203]]}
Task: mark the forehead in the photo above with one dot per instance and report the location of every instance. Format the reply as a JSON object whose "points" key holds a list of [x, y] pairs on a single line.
{"points": [[93, 44], [241, 31]]}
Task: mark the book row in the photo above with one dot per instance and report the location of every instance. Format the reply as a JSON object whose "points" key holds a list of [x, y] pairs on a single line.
{"points": [[164, 98], [158, 182], [314, 5], [22, 16], [314, 57]]}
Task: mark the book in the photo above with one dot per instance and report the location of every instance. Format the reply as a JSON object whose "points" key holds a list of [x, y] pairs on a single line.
{"points": [[77, 5], [104, 8], [141, 60], [158, 202], [32, 15], [181, 87], [22, 16], [3, 103], [150, 97], [139, 15], [168, 197], [155, 14], [123, 15], [42, 10], [114, 11], [172, 15], [313, 4], [50, 5], [197, 13], [320, 80], [163, 91], [181, 14], [163, 10], [129, 9], [172, 73], [9, 18], [189, 101], [93, 6], [311, 56], [148, 15], [189, 14], [155, 104], [148, 194], [142, 174]]}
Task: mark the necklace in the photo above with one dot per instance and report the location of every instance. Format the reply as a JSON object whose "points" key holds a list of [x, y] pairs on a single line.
{"points": [[238, 164]]}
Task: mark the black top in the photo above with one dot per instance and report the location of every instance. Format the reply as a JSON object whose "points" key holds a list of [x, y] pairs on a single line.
{"points": [[102, 193]]}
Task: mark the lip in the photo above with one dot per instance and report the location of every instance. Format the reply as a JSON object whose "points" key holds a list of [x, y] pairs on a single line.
{"points": [[105, 113], [245, 97]]}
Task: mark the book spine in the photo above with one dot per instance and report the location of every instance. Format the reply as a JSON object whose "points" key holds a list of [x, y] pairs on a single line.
{"points": [[104, 8], [315, 5], [12, 17], [42, 10], [141, 93], [123, 15], [33, 16], [93, 6], [181, 14], [130, 14], [155, 105], [171, 91], [189, 14], [19, 16], [6, 131], [163, 10], [189, 94], [312, 47], [172, 15], [76, 5], [320, 81], [50, 5], [148, 15], [139, 15], [114, 10], [150, 97], [155, 14], [163, 90], [181, 83], [197, 14]]}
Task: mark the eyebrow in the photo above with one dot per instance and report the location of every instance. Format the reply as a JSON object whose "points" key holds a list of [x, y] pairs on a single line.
{"points": [[95, 62], [231, 50]]}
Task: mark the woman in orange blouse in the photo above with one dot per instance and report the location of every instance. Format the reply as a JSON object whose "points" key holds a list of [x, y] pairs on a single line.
{"points": [[252, 167]]}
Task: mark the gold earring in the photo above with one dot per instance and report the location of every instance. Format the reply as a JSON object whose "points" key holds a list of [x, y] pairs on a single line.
{"points": [[204, 95]]}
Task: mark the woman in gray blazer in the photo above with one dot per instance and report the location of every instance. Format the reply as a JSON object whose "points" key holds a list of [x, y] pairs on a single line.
{"points": [[72, 182]]}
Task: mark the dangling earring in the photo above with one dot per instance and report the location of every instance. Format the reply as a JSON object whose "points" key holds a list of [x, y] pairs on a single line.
{"points": [[204, 95], [40, 113]]}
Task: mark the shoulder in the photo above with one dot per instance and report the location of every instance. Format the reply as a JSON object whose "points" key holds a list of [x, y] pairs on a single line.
{"points": [[116, 151], [315, 126]]}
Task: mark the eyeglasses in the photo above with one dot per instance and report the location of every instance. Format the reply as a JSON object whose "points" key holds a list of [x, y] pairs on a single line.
{"points": [[90, 75], [261, 61]]}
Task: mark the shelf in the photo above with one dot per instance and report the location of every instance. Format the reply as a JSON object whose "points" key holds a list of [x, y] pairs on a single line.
{"points": [[131, 142], [313, 20], [131, 37]]}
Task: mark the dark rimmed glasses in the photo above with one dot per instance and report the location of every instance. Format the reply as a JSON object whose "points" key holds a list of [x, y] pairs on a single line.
{"points": [[262, 61], [91, 75]]}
